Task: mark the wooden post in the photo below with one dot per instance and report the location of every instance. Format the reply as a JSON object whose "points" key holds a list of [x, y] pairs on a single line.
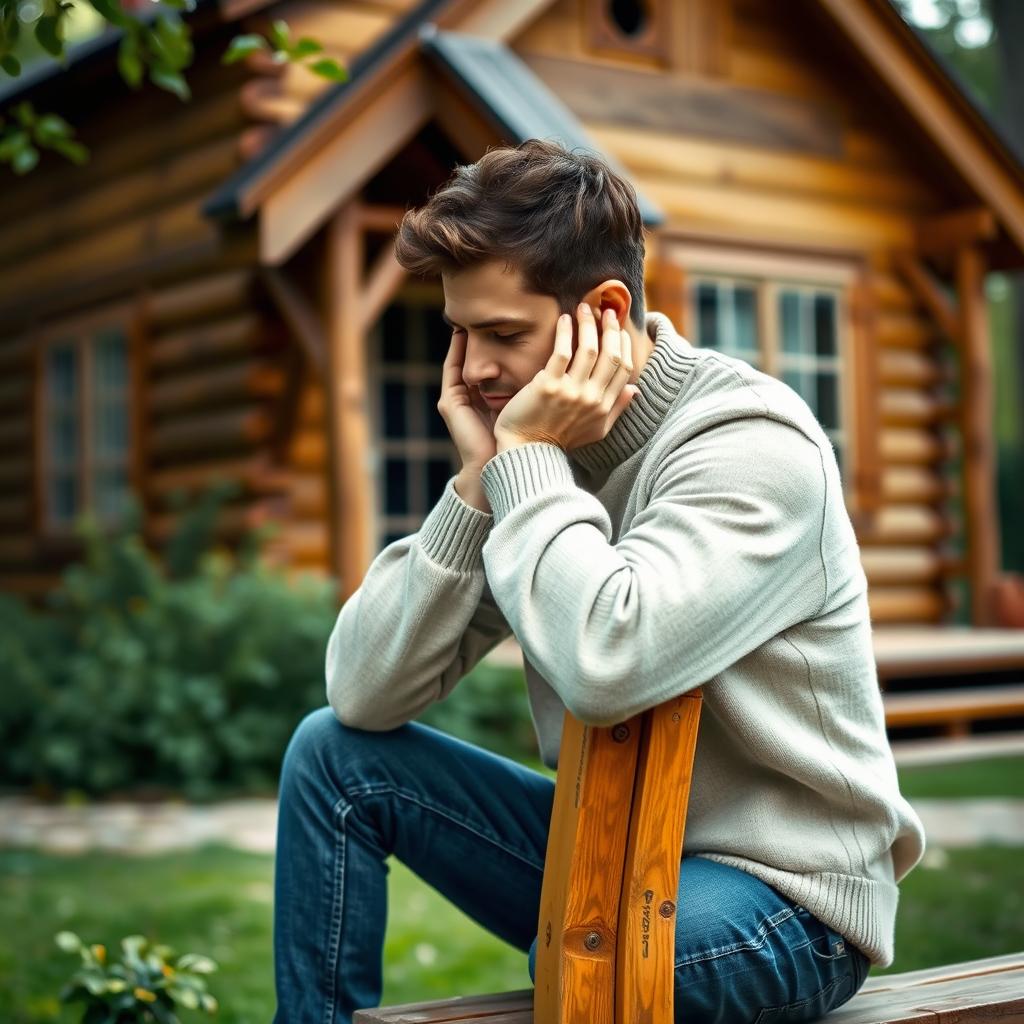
{"points": [[976, 425], [347, 414]]}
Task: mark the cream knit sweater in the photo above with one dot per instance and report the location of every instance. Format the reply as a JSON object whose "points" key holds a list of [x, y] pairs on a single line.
{"points": [[703, 541]]}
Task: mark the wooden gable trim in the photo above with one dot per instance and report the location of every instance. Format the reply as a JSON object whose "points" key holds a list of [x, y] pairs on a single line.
{"points": [[488, 19], [926, 95]]}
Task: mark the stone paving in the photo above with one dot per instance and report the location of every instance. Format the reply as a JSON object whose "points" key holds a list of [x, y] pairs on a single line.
{"points": [[251, 824]]}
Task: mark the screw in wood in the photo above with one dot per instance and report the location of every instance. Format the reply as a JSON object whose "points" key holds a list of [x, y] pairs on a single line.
{"points": [[667, 909], [620, 733], [592, 941]]}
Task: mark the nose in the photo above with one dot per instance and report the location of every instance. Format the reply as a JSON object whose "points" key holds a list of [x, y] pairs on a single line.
{"points": [[479, 363]]}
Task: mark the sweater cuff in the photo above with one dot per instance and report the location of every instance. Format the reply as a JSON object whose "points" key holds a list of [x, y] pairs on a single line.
{"points": [[454, 532], [524, 472]]}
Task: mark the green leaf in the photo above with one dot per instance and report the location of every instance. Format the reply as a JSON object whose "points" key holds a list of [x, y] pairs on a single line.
{"points": [[171, 81], [74, 151], [25, 113], [111, 10], [196, 962], [10, 64], [186, 996], [209, 1003], [13, 143], [25, 159], [305, 46], [68, 941], [48, 34], [128, 60], [242, 46], [329, 68], [280, 35], [51, 127], [169, 40]]}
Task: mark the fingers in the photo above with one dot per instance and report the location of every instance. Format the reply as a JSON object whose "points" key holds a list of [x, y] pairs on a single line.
{"points": [[586, 349], [451, 372]]}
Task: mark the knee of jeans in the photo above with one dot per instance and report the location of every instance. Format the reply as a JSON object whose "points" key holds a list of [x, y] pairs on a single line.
{"points": [[532, 961], [318, 732]]}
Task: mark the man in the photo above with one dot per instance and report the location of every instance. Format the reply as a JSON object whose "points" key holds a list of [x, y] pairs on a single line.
{"points": [[645, 517]]}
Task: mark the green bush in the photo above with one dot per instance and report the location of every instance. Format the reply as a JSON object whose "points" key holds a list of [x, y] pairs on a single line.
{"points": [[188, 673], [137, 675]]}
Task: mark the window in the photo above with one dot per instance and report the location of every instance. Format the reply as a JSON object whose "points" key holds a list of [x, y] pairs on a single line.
{"points": [[84, 443], [790, 329], [415, 455]]}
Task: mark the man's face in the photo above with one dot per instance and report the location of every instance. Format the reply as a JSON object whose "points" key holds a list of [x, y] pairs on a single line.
{"points": [[510, 333]]}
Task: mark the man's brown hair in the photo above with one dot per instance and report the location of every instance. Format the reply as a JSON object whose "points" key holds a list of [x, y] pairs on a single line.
{"points": [[563, 218]]}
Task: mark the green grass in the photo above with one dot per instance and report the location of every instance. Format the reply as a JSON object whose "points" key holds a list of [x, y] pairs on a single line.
{"points": [[959, 904], [996, 776]]}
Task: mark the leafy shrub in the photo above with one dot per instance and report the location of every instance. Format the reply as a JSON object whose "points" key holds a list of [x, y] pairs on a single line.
{"points": [[144, 987], [188, 673]]}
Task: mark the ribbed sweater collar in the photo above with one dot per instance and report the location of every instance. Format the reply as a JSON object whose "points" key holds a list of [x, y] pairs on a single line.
{"points": [[660, 382]]}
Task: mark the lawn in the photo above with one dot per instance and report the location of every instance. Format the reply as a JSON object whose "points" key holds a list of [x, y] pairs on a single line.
{"points": [[958, 905]]}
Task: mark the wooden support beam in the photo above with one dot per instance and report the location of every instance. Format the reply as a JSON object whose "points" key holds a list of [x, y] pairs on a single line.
{"points": [[347, 415], [976, 425], [299, 315], [926, 289], [383, 280], [866, 455], [946, 233]]}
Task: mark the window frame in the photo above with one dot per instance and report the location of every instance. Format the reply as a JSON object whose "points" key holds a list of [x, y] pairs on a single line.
{"points": [[419, 304], [82, 330], [770, 272]]}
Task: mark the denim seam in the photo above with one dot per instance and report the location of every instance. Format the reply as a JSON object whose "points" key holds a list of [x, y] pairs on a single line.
{"points": [[768, 925], [413, 798], [801, 1003], [337, 908]]}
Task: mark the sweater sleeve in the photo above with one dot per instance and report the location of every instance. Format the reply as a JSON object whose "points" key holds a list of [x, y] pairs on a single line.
{"points": [[420, 620], [724, 553]]}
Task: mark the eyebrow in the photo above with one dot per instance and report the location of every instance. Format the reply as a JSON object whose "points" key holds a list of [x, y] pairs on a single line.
{"points": [[493, 322]]}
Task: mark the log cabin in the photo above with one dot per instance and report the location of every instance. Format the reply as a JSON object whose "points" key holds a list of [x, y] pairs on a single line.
{"points": [[214, 295]]}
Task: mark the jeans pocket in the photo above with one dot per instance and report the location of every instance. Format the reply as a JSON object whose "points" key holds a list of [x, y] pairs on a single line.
{"points": [[833, 994]]}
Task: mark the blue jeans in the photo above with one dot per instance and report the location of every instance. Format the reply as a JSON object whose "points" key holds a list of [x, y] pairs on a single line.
{"points": [[474, 826]]}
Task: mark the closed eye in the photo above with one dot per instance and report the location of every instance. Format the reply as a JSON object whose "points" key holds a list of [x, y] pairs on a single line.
{"points": [[506, 337]]}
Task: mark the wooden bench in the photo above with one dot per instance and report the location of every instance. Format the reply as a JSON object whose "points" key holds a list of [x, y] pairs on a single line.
{"points": [[953, 709], [606, 925]]}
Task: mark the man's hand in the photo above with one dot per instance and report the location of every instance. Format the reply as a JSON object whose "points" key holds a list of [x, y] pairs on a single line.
{"points": [[574, 407], [468, 421]]}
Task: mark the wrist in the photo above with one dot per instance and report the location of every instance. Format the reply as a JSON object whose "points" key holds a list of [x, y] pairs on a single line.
{"points": [[471, 491]]}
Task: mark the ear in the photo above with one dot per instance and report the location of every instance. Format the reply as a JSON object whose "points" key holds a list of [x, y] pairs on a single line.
{"points": [[611, 294]]}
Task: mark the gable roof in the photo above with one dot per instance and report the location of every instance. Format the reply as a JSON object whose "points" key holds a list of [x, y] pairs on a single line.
{"points": [[970, 141]]}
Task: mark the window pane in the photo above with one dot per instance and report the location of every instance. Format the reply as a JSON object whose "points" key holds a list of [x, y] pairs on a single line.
{"points": [[745, 302], [63, 497], [110, 489], [825, 325], [63, 373], [393, 405], [396, 487], [393, 330], [707, 315], [110, 421], [439, 471], [110, 362], [63, 437], [827, 400], [439, 337], [789, 316], [435, 421], [795, 380]]}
